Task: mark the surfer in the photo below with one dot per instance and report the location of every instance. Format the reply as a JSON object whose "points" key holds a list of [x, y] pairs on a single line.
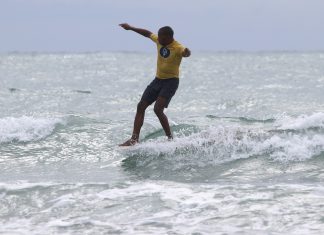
{"points": [[166, 81]]}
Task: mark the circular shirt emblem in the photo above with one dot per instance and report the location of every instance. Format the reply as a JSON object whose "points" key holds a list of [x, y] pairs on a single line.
{"points": [[164, 52]]}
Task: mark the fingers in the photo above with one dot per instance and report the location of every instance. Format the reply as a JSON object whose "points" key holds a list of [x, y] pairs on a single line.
{"points": [[124, 25], [186, 52]]}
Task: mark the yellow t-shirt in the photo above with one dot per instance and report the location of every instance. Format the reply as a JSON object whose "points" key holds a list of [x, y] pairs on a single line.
{"points": [[169, 58]]}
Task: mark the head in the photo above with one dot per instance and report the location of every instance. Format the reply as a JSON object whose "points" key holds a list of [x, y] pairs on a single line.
{"points": [[165, 35]]}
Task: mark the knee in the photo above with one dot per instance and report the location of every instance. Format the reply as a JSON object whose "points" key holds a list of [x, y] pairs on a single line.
{"points": [[158, 110], [141, 107]]}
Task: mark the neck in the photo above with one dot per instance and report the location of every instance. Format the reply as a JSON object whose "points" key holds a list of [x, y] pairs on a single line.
{"points": [[171, 41]]}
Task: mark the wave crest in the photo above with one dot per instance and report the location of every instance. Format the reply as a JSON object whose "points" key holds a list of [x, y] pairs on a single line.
{"points": [[315, 120], [25, 129]]}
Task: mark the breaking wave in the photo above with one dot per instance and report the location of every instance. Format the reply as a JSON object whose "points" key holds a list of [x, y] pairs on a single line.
{"points": [[288, 139]]}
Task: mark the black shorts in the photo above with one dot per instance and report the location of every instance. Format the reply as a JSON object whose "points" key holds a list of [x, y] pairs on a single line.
{"points": [[160, 87]]}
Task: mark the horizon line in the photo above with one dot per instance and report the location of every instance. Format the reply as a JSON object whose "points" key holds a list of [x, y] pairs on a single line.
{"points": [[148, 52]]}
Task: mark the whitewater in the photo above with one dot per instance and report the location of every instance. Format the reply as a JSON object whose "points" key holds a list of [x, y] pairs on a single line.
{"points": [[247, 157]]}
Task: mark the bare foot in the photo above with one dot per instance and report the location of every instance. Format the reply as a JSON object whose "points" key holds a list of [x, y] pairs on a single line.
{"points": [[129, 142]]}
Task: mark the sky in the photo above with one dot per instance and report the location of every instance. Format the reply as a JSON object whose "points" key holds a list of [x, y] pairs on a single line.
{"points": [[201, 25]]}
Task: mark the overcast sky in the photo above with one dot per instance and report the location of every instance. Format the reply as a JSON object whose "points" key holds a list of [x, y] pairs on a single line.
{"points": [[202, 25]]}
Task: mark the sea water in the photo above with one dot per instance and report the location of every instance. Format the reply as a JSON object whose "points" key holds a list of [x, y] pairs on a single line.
{"points": [[247, 155]]}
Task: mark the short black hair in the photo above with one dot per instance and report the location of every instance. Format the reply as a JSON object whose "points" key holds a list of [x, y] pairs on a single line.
{"points": [[167, 30]]}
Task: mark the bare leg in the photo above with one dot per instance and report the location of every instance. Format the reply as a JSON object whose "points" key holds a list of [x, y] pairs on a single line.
{"points": [[139, 119], [138, 123], [158, 109]]}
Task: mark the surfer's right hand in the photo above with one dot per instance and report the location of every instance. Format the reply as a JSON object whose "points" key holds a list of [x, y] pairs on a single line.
{"points": [[125, 26]]}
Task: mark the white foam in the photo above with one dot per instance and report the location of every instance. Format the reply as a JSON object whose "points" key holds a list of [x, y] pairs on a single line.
{"points": [[227, 143], [26, 128], [301, 122], [292, 147], [212, 146]]}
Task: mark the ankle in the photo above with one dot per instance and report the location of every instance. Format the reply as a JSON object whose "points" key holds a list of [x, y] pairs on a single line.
{"points": [[134, 137]]}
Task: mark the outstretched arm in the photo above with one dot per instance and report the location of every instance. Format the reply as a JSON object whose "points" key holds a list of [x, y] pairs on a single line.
{"points": [[143, 32], [186, 52]]}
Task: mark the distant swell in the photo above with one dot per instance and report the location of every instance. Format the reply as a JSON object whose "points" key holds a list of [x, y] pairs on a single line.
{"points": [[24, 129]]}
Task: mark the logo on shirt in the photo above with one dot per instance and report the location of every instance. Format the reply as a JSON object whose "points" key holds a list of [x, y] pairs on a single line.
{"points": [[164, 52]]}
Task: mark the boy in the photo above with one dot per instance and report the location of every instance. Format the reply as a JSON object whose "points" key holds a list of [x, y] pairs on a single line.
{"points": [[166, 82]]}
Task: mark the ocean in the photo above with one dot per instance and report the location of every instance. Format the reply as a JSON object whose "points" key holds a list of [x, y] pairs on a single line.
{"points": [[247, 157]]}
